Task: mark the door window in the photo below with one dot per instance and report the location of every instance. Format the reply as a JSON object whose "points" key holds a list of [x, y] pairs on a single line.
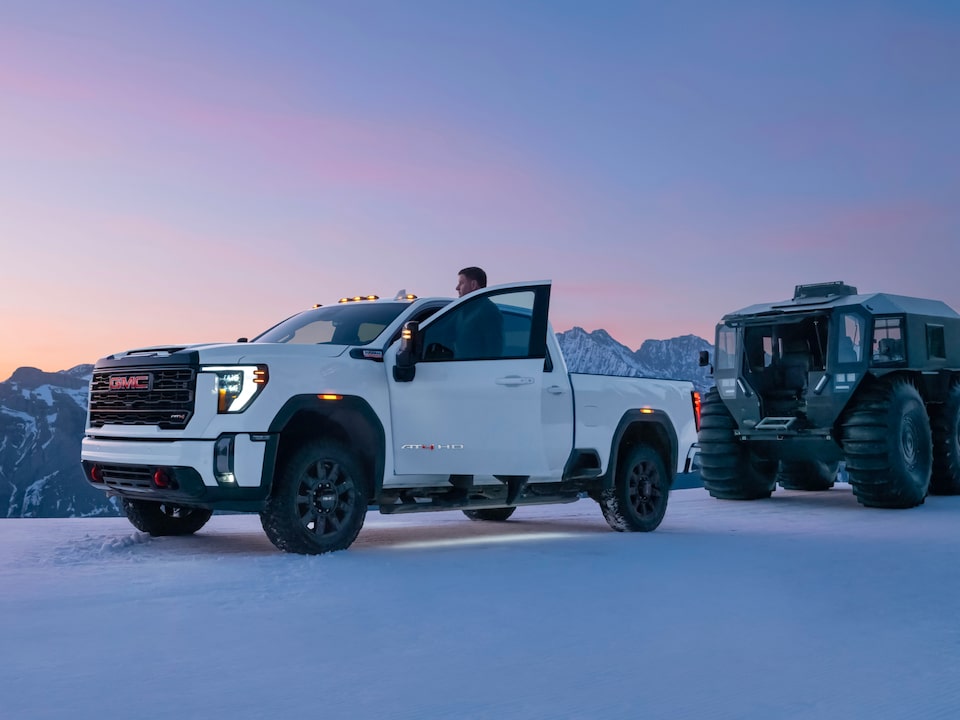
{"points": [[726, 348], [497, 326], [850, 342]]}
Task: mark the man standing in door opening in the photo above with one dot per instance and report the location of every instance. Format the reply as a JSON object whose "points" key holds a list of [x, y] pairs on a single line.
{"points": [[480, 324]]}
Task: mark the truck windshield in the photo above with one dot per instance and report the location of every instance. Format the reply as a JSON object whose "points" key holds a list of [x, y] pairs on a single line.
{"points": [[344, 324]]}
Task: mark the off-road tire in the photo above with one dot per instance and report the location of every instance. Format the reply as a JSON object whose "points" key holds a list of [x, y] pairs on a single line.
{"points": [[319, 500], [945, 427], [810, 475], [491, 514], [728, 469], [165, 519], [887, 442], [638, 499]]}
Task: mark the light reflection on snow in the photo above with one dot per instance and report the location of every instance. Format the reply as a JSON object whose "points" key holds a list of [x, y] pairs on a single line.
{"points": [[486, 540]]}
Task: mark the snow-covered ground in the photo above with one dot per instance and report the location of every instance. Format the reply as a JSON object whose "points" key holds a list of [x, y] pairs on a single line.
{"points": [[803, 606]]}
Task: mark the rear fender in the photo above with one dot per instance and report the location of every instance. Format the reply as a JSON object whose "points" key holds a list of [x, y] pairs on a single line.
{"points": [[652, 428]]}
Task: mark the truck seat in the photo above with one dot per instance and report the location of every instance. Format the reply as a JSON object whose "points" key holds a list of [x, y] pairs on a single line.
{"points": [[795, 364]]}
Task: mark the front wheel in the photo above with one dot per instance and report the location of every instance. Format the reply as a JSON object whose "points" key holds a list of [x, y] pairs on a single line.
{"points": [[319, 501], [164, 519], [638, 499], [730, 470]]}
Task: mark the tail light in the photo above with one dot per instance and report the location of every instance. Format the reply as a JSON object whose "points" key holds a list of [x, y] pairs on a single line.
{"points": [[695, 396]]}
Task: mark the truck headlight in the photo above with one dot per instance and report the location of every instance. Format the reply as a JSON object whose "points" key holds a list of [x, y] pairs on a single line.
{"points": [[237, 385]]}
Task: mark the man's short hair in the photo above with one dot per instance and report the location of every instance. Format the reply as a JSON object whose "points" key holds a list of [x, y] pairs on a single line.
{"points": [[476, 274]]}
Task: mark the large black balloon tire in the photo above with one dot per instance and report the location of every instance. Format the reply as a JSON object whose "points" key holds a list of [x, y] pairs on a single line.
{"points": [[728, 469], [888, 446], [164, 519], [638, 499], [807, 475], [490, 514], [945, 427], [319, 500]]}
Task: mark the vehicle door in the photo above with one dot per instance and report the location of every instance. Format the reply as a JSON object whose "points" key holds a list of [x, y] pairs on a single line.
{"points": [[473, 405]]}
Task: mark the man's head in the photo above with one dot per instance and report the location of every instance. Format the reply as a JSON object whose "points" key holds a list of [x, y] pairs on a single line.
{"points": [[470, 279]]}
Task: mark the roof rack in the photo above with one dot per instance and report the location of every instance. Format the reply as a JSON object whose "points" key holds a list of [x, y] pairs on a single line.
{"points": [[827, 289]]}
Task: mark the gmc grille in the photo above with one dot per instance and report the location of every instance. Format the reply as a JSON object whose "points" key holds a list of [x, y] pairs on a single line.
{"points": [[167, 403]]}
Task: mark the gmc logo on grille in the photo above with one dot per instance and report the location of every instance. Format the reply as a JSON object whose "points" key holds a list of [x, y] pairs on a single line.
{"points": [[129, 382]]}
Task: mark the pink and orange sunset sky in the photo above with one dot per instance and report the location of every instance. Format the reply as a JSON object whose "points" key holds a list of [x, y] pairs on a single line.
{"points": [[187, 171]]}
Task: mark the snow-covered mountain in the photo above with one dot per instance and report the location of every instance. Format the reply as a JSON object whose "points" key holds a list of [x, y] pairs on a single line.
{"points": [[598, 353], [42, 417], [41, 424]]}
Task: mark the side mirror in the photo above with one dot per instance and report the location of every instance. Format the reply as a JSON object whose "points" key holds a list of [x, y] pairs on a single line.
{"points": [[240, 340], [704, 358], [409, 352]]}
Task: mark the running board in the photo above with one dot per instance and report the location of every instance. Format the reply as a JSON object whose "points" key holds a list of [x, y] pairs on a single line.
{"points": [[438, 503]]}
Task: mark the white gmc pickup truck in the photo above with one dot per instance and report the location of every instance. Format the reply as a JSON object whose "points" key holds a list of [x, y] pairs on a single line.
{"points": [[403, 405]]}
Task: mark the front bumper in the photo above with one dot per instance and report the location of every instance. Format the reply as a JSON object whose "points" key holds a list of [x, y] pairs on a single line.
{"points": [[128, 468]]}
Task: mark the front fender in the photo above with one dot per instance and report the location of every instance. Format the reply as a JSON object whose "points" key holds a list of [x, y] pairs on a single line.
{"points": [[349, 419]]}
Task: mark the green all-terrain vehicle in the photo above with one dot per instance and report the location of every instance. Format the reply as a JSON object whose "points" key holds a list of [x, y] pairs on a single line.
{"points": [[829, 376]]}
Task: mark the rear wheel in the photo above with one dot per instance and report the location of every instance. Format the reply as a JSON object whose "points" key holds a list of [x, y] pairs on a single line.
{"points": [[319, 501], [945, 427], [162, 519], [638, 499], [728, 469], [491, 514], [888, 446], [809, 475]]}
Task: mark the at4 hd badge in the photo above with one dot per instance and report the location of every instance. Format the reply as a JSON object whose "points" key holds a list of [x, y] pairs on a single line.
{"points": [[433, 446], [143, 381]]}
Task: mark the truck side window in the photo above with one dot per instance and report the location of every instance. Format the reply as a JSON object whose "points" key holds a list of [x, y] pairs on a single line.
{"points": [[491, 327], [420, 317]]}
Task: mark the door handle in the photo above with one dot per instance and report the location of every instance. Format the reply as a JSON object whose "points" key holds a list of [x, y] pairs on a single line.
{"points": [[555, 390], [514, 380]]}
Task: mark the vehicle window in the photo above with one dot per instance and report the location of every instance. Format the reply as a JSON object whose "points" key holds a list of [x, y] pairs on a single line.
{"points": [[936, 346], [758, 344], [368, 331], [419, 317], [850, 342], [887, 340], [492, 327], [517, 312], [726, 348], [343, 324]]}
